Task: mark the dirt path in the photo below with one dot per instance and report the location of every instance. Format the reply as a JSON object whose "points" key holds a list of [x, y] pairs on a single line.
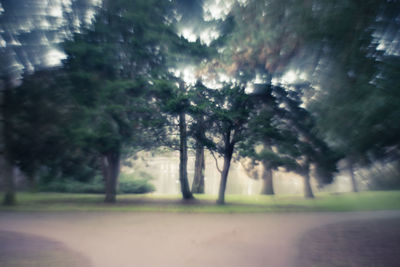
{"points": [[179, 240], [352, 244], [27, 250]]}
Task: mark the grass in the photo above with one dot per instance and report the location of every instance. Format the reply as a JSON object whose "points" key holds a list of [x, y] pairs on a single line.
{"points": [[364, 201]]}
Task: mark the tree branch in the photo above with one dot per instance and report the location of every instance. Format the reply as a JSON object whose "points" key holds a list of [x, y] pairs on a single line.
{"points": [[216, 161]]}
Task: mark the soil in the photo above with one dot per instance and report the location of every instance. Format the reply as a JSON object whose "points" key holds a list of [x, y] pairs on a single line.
{"points": [[130, 239]]}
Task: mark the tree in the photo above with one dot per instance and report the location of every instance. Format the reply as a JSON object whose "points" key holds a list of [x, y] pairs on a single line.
{"points": [[227, 115], [267, 36], [43, 116], [282, 134], [177, 99], [22, 49], [355, 110], [263, 135], [199, 165], [112, 67], [305, 146], [198, 96], [183, 150], [187, 55], [337, 47], [199, 169]]}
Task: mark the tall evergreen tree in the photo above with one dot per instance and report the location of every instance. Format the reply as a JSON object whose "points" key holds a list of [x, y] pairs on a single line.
{"points": [[112, 66], [43, 118], [307, 147], [30, 32], [282, 134], [227, 113], [355, 107]]}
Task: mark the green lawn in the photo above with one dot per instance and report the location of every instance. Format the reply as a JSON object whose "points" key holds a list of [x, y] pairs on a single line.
{"points": [[372, 200]]}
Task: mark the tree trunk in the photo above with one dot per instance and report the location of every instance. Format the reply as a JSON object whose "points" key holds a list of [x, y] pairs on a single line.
{"points": [[224, 174], [267, 180], [183, 158], [308, 193], [110, 167], [199, 166], [8, 179], [351, 172]]}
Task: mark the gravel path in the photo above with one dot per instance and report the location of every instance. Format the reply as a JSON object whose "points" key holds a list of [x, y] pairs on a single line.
{"points": [[109, 239]]}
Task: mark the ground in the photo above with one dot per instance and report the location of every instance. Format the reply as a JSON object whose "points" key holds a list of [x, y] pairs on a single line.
{"points": [[108, 239], [352, 244], [27, 250]]}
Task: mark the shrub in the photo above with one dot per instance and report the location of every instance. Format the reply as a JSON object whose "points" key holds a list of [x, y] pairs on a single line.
{"points": [[96, 186], [128, 184], [135, 183], [138, 186]]}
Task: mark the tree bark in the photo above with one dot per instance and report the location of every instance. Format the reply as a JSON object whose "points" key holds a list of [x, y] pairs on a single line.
{"points": [[353, 179], [225, 171], [183, 158], [308, 193], [110, 167], [267, 180], [199, 167]]}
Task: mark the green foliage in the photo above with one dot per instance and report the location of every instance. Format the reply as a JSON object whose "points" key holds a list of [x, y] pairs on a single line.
{"points": [[308, 146], [356, 110], [226, 116], [96, 186], [111, 66], [282, 134], [336, 44], [135, 183], [43, 121], [128, 184]]}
